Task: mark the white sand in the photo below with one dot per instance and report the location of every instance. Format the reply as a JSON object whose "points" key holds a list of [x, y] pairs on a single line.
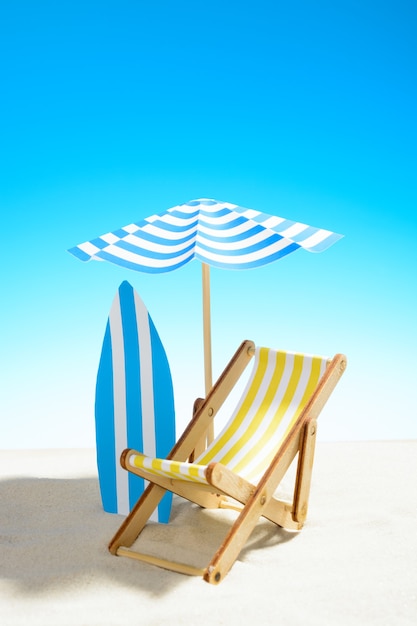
{"points": [[354, 563]]}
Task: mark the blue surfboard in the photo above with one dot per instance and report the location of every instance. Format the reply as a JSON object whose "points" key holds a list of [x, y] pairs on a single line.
{"points": [[134, 403]]}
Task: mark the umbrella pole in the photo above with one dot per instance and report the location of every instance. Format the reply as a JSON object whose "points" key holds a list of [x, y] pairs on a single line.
{"points": [[208, 375]]}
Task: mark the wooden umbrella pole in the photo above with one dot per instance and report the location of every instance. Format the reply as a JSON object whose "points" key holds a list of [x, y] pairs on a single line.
{"points": [[208, 375]]}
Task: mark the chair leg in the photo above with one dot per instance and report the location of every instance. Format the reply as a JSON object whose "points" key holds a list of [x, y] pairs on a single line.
{"points": [[304, 470], [258, 502], [236, 538], [137, 518], [201, 445]]}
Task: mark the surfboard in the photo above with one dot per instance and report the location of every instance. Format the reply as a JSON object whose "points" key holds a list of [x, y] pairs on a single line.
{"points": [[134, 402]]}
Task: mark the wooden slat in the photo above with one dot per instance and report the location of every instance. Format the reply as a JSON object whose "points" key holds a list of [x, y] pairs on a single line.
{"points": [[181, 568], [304, 471], [281, 513], [277, 511], [202, 444], [202, 494]]}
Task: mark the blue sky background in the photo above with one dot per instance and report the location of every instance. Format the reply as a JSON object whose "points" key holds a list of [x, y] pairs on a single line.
{"points": [[112, 111]]}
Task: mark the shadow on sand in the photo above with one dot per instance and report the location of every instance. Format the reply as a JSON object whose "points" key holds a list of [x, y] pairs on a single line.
{"points": [[54, 532]]}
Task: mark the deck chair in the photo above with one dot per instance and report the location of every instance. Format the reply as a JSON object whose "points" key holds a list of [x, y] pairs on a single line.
{"points": [[274, 421]]}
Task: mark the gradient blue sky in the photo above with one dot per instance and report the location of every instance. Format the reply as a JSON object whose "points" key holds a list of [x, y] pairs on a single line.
{"points": [[112, 111]]}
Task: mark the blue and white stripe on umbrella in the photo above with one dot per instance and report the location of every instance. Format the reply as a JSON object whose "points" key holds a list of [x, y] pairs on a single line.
{"points": [[220, 234]]}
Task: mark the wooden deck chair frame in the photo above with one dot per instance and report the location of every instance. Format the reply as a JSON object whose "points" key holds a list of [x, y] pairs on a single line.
{"points": [[255, 501]]}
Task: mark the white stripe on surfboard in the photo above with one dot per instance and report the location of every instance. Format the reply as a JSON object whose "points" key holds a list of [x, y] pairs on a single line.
{"points": [[146, 377], [119, 394], [146, 383]]}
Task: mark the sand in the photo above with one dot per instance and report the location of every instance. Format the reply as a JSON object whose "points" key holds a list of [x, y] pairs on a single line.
{"points": [[354, 563]]}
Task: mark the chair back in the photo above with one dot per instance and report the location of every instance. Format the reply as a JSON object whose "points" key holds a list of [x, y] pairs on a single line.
{"points": [[279, 387]]}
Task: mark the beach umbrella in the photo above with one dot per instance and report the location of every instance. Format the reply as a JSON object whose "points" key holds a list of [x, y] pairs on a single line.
{"points": [[219, 234]]}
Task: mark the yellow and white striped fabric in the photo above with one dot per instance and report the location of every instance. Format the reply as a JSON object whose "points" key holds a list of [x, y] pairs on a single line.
{"points": [[280, 385]]}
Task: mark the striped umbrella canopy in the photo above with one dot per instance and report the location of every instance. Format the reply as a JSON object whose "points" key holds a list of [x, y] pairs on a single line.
{"points": [[216, 233]]}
